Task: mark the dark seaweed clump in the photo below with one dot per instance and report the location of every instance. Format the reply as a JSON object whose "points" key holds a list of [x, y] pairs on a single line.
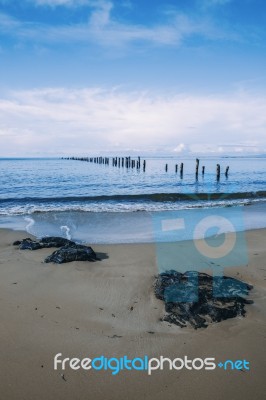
{"points": [[198, 299], [68, 250]]}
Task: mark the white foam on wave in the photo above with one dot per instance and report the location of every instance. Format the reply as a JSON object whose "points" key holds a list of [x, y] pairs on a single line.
{"points": [[66, 229], [124, 207], [120, 227]]}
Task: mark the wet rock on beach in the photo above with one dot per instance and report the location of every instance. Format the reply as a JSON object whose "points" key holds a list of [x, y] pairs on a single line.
{"points": [[46, 242], [198, 299], [72, 253], [68, 250]]}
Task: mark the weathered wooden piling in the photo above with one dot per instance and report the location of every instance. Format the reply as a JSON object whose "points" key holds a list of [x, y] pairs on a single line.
{"points": [[176, 168], [166, 167], [226, 171], [197, 168], [203, 169], [144, 165], [218, 172], [181, 170]]}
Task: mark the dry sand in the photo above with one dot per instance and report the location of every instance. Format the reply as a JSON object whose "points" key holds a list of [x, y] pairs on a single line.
{"points": [[77, 309]]}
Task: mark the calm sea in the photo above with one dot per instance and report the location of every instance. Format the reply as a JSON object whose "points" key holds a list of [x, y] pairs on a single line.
{"points": [[94, 202]]}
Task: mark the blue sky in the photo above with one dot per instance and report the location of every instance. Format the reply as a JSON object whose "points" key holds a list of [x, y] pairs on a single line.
{"points": [[183, 76]]}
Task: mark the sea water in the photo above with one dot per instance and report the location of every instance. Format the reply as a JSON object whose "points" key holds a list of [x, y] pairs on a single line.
{"points": [[100, 203]]}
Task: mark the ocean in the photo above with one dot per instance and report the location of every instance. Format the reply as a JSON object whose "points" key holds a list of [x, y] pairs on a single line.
{"points": [[100, 203]]}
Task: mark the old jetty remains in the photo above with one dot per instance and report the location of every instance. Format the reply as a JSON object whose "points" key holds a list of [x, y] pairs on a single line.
{"points": [[138, 164]]}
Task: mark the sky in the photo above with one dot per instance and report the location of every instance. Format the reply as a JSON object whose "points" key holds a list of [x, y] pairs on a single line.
{"points": [[177, 77]]}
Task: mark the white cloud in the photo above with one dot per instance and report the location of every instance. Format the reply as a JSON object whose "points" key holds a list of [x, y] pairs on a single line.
{"points": [[180, 148], [7, 23], [66, 121], [103, 29], [56, 3]]}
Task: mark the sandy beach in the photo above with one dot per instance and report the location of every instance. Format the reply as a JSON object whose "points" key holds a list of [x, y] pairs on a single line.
{"points": [[84, 309]]}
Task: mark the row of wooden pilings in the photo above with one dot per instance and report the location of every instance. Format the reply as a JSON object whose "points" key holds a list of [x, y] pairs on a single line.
{"points": [[128, 162], [218, 170], [124, 162]]}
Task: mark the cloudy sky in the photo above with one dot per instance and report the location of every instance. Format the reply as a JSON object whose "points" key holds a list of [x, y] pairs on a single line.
{"points": [[160, 76]]}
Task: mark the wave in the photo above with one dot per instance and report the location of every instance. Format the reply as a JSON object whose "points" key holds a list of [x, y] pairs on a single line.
{"points": [[147, 197], [126, 203]]}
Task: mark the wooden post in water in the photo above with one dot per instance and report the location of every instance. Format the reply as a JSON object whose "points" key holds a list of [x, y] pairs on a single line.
{"points": [[197, 168], [226, 171], [144, 165], [176, 168], [218, 172], [181, 170], [166, 167], [203, 169]]}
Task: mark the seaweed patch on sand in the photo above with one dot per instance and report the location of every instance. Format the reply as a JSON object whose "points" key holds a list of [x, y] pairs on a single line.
{"points": [[198, 299], [68, 250]]}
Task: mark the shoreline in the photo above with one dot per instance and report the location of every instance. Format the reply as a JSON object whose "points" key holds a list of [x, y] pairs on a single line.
{"points": [[127, 227], [84, 309]]}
